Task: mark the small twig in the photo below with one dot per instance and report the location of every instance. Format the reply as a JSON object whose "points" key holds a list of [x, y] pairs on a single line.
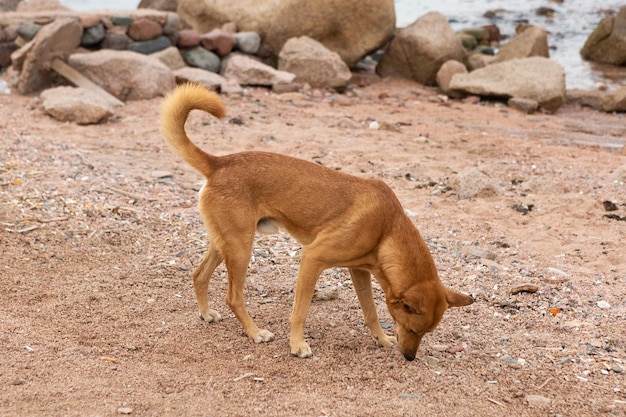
{"points": [[491, 400], [126, 193], [240, 377], [545, 383], [54, 219], [28, 229], [17, 135]]}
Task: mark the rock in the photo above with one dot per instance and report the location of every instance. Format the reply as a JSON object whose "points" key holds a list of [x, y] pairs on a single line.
{"points": [[40, 6], [77, 105], [171, 57], [312, 63], [445, 73], [529, 288], [593, 99], [6, 49], [536, 78], [352, 28], [201, 58], [615, 101], [326, 294], [54, 40], [478, 60], [151, 46], [210, 79], [603, 304], [116, 41], [419, 50], [121, 20], [531, 41], [144, 29], [171, 25], [231, 87], [27, 31], [188, 38], [472, 183], [248, 71], [607, 43], [125, 410], [93, 35], [538, 401], [248, 42], [525, 105], [126, 75], [166, 5], [8, 5], [218, 41]]}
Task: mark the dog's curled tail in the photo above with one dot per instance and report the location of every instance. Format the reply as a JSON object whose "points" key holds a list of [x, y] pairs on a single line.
{"points": [[174, 111]]}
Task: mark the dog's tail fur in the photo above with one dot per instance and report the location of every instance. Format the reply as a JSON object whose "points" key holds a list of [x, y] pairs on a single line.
{"points": [[174, 111]]}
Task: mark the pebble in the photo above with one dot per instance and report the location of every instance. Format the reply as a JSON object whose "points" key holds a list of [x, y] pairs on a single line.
{"points": [[431, 360], [529, 288], [603, 304], [617, 369], [125, 410], [538, 401], [327, 293]]}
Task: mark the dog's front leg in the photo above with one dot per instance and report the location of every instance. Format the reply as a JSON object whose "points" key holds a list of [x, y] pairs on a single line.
{"points": [[309, 272], [363, 285]]}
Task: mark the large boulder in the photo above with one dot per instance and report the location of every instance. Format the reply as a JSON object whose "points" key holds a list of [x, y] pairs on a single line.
{"points": [[419, 50], [536, 78], [312, 63], [530, 41], [125, 74], [607, 43], [352, 28]]}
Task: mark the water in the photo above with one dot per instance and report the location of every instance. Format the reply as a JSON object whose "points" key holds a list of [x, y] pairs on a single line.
{"points": [[569, 28]]}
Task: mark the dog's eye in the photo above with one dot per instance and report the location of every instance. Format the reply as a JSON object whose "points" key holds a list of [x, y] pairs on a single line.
{"points": [[412, 332]]}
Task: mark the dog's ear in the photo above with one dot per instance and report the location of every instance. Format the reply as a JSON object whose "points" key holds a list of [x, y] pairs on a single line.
{"points": [[457, 299], [409, 305]]}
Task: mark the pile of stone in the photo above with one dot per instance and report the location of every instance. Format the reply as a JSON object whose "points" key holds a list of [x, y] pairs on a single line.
{"points": [[225, 45]]}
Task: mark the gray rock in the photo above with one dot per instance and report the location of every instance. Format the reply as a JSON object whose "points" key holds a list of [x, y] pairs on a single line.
{"points": [[117, 41], [312, 63], [150, 46], [536, 78], [76, 105], [248, 71], [27, 31], [419, 50], [121, 20], [531, 41], [201, 58], [352, 28], [126, 75], [607, 43], [210, 79], [93, 35], [248, 42]]}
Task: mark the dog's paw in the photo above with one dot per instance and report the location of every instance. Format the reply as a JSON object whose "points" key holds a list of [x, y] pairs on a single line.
{"points": [[263, 336], [387, 341], [301, 350], [210, 316]]}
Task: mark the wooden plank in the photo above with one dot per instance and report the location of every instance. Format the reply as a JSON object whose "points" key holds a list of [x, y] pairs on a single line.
{"points": [[80, 80]]}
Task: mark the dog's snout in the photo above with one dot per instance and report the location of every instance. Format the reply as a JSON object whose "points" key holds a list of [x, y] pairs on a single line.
{"points": [[408, 357]]}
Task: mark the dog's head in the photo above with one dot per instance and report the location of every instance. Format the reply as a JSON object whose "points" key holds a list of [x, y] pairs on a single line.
{"points": [[418, 310]]}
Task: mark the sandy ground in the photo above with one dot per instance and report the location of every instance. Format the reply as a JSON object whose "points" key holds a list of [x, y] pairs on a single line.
{"points": [[99, 235]]}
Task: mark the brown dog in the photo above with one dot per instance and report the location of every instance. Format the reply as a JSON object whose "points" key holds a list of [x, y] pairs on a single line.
{"points": [[340, 220]]}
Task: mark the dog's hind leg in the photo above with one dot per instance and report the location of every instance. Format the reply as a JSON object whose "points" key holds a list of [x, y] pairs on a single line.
{"points": [[201, 278], [310, 271], [363, 285], [237, 257]]}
